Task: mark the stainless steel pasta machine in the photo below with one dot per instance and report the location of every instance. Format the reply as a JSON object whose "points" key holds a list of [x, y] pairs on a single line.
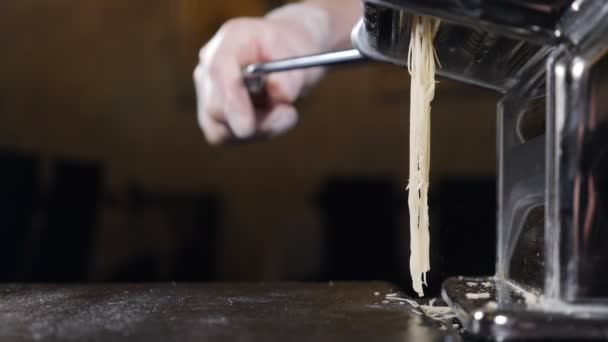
{"points": [[549, 60]]}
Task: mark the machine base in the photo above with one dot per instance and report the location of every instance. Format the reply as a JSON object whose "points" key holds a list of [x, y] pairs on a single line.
{"points": [[495, 309]]}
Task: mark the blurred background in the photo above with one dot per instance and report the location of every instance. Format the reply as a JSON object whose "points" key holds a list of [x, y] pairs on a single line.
{"points": [[105, 176]]}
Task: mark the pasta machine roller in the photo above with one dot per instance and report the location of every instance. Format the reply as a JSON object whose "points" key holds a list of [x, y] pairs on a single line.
{"points": [[549, 61]]}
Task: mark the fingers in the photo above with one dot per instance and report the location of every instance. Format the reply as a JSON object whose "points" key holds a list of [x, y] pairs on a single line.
{"points": [[215, 132], [281, 119], [239, 111], [283, 87], [224, 107], [221, 121], [209, 110]]}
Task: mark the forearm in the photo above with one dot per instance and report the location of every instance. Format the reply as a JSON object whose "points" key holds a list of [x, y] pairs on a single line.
{"points": [[331, 20]]}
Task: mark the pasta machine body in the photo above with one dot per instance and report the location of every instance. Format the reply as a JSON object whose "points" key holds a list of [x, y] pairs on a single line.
{"points": [[549, 60]]}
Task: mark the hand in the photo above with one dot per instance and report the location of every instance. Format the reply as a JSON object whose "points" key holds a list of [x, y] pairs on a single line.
{"points": [[225, 111]]}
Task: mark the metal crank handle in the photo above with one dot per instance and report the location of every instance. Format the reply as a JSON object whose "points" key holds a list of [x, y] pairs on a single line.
{"points": [[254, 75]]}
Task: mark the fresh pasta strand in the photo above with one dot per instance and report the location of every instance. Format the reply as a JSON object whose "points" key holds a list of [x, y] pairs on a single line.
{"points": [[421, 66]]}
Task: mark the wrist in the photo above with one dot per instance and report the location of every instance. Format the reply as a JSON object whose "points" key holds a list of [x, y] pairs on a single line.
{"points": [[313, 21]]}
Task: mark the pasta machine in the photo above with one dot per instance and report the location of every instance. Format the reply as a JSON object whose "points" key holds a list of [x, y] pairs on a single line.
{"points": [[549, 60]]}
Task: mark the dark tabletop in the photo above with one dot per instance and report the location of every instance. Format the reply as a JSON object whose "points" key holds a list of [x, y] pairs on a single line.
{"points": [[211, 312]]}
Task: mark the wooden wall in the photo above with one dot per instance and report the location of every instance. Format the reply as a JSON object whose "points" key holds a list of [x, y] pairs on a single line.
{"points": [[111, 81]]}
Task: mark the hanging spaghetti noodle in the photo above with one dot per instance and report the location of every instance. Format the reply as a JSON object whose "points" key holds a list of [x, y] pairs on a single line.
{"points": [[421, 66]]}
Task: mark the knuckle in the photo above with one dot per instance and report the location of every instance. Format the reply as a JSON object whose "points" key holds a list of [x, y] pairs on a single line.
{"points": [[201, 123], [198, 73], [210, 115], [214, 112], [213, 135], [202, 53], [236, 25], [217, 136], [209, 67], [213, 70], [208, 51], [216, 140], [231, 25]]}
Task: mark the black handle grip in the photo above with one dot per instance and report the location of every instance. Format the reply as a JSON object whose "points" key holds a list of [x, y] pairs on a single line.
{"points": [[256, 86]]}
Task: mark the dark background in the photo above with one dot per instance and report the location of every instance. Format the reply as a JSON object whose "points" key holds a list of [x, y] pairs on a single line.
{"points": [[105, 176]]}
